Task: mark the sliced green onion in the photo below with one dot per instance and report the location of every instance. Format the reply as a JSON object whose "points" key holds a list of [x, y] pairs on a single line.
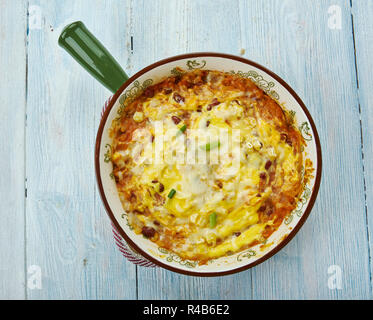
{"points": [[212, 145], [183, 128], [172, 193], [213, 220]]}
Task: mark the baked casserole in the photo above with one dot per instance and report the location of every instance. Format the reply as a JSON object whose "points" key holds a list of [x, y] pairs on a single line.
{"points": [[207, 164]]}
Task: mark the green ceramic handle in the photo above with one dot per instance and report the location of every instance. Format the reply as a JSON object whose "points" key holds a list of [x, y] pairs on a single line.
{"points": [[84, 47]]}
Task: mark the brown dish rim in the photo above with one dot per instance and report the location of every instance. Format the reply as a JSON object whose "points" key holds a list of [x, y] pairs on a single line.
{"points": [[292, 233]]}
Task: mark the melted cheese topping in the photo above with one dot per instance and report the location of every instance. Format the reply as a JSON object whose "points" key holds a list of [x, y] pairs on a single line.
{"points": [[206, 165]]}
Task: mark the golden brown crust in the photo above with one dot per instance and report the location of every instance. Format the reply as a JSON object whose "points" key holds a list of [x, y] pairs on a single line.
{"points": [[198, 92]]}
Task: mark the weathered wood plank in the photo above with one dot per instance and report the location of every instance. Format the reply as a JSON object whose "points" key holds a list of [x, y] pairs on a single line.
{"points": [[293, 39], [363, 27], [12, 165], [68, 233]]}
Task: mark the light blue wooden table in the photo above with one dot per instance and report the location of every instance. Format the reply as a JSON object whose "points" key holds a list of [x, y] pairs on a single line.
{"points": [[55, 237]]}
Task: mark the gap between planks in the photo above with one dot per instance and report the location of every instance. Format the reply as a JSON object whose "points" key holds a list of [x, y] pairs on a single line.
{"points": [[362, 145]]}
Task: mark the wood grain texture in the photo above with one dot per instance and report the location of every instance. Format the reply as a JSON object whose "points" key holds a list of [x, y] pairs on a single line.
{"points": [[68, 233], [62, 226], [363, 30], [292, 39], [12, 165], [318, 63]]}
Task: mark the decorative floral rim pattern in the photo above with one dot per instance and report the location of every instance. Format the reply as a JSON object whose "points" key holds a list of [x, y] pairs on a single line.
{"points": [[259, 80], [265, 85], [305, 128]]}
